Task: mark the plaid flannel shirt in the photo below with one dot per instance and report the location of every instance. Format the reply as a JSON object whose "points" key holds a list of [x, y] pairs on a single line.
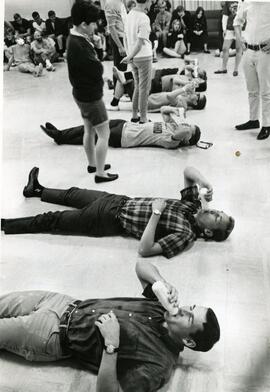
{"points": [[175, 230]]}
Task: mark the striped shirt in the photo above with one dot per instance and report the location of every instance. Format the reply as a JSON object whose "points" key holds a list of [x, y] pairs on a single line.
{"points": [[176, 227]]}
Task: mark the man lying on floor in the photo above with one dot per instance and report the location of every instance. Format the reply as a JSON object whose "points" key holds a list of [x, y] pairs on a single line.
{"points": [[132, 344], [174, 132], [163, 226]]}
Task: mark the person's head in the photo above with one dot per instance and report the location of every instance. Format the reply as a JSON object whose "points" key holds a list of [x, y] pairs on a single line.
{"points": [[197, 101], [20, 41], [196, 327], [130, 4], [52, 15], [214, 225], [162, 7], [38, 36], [199, 12], [145, 3], [180, 10], [176, 25], [85, 16], [191, 134], [9, 35], [36, 17], [17, 18]]}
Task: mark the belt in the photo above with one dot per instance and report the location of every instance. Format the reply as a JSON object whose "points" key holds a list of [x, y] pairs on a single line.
{"points": [[256, 47], [64, 323]]}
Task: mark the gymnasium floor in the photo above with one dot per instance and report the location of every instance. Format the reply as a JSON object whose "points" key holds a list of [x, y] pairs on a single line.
{"points": [[232, 277]]}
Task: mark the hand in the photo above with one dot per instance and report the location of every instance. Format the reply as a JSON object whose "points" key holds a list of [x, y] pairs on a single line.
{"points": [[126, 60], [122, 52], [209, 195], [189, 88], [159, 204], [266, 48], [172, 294], [109, 328], [224, 33]]}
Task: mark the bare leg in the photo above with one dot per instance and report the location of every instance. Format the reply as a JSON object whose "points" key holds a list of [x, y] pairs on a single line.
{"points": [[226, 46], [89, 142], [103, 132]]}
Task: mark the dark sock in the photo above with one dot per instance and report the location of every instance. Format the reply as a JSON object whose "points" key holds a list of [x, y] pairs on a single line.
{"points": [[115, 102]]}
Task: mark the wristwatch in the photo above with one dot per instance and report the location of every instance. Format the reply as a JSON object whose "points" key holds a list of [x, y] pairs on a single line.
{"points": [[110, 349], [157, 212]]}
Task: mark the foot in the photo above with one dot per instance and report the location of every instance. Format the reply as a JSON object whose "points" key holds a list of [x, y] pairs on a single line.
{"points": [[206, 51], [112, 108], [264, 133], [93, 169], [125, 98], [109, 177], [187, 52], [51, 131], [120, 76], [251, 124], [221, 71], [135, 119], [33, 188], [50, 67], [235, 73], [3, 221], [38, 70]]}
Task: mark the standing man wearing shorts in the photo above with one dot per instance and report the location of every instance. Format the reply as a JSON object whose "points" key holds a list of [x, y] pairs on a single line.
{"points": [[229, 13], [85, 75]]}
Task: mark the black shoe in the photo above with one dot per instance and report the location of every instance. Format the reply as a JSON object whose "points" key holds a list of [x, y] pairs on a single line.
{"points": [[264, 133], [111, 177], [93, 169], [30, 190], [51, 131], [187, 52], [206, 51], [135, 120], [251, 124], [3, 221], [221, 71]]}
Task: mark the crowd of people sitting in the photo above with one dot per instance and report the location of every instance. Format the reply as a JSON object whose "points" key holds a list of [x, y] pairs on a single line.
{"points": [[34, 44]]}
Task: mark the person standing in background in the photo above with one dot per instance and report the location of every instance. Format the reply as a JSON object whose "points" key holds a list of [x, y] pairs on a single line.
{"points": [[256, 62], [229, 12]]}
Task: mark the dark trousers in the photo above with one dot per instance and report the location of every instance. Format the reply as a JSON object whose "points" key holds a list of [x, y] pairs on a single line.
{"points": [[96, 214], [74, 135]]}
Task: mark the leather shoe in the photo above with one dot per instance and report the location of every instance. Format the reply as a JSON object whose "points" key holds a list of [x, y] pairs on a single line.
{"points": [[221, 71], [50, 131], [29, 189], [93, 169], [264, 133], [251, 124], [111, 177]]}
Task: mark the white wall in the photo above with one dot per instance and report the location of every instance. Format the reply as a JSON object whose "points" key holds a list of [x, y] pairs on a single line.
{"points": [[26, 7]]}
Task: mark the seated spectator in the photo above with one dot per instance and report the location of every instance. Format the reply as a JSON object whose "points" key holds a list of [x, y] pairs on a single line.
{"points": [[130, 4], [153, 10], [20, 56], [198, 33], [162, 24], [9, 41], [21, 26], [185, 19], [175, 43], [44, 51], [55, 30], [154, 41], [101, 37], [38, 24], [8, 27]]}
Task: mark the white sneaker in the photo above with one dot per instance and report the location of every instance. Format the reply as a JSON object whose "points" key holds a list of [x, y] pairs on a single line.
{"points": [[125, 98], [119, 75], [112, 108], [50, 68], [38, 70]]}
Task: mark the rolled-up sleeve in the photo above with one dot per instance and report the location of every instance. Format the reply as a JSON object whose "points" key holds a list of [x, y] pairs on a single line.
{"points": [[144, 30], [175, 243]]}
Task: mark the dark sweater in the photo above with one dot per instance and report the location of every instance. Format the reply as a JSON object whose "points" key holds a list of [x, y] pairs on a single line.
{"points": [[84, 70]]}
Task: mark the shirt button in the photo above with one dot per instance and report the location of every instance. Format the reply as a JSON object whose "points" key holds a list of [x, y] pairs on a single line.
{"points": [[93, 310], [76, 311], [130, 314], [149, 318]]}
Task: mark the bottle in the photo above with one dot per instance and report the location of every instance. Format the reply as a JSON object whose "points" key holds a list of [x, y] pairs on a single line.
{"points": [[204, 203], [161, 292], [196, 63]]}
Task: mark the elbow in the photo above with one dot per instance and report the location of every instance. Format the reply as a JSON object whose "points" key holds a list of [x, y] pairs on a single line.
{"points": [[143, 252]]}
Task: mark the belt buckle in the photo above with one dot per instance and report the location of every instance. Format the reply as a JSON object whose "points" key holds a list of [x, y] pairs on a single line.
{"points": [[68, 314]]}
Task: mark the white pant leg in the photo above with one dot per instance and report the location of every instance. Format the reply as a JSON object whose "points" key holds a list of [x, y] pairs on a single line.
{"points": [[263, 69], [250, 60]]}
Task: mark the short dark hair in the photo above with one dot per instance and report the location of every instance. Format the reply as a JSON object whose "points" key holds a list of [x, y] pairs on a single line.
{"points": [[84, 11], [141, 1], [196, 137], [51, 13], [206, 338], [221, 235], [35, 14], [200, 103], [16, 16], [180, 8]]}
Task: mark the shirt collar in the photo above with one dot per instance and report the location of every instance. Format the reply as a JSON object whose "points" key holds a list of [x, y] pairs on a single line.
{"points": [[77, 34]]}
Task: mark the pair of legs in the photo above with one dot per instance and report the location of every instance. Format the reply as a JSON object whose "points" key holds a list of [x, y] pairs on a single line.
{"points": [[228, 40], [162, 37], [95, 121], [117, 58], [142, 73], [46, 59], [257, 74], [178, 51], [35, 70], [29, 324], [198, 40]]}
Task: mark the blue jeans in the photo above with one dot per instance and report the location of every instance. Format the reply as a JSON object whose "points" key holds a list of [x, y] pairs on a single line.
{"points": [[29, 324]]}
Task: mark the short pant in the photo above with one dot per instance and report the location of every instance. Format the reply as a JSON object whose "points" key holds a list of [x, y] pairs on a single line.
{"points": [[230, 34], [94, 111]]}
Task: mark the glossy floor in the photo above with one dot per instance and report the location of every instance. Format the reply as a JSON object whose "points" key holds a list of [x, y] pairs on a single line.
{"points": [[232, 277]]}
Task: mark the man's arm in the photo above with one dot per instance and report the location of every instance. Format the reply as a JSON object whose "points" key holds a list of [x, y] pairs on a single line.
{"points": [[136, 49], [238, 23], [10, 61], [193, 177], [117, 40], [148, 246], [107, 375], [167, 112]]}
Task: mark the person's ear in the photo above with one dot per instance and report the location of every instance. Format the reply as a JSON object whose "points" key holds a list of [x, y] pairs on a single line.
{"points": [[208, 233], [188, 342]]}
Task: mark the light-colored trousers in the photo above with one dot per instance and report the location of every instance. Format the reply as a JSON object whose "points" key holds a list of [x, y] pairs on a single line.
{"points": [[256, 65], [29, 324], [142, 73], [27, 67]]}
